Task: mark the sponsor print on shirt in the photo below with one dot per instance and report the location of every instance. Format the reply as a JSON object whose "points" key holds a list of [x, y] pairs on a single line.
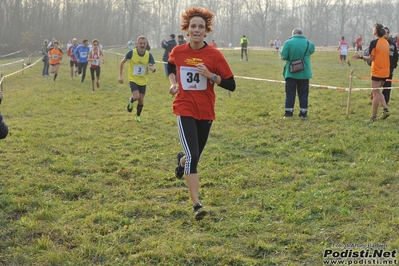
{"points": [[191, 79]]}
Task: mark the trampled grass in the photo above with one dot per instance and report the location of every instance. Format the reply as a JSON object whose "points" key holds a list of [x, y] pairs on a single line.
{"points": [[82, 183]]}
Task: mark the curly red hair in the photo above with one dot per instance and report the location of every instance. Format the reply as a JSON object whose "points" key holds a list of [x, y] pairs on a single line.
{"points": [[206, 14]]}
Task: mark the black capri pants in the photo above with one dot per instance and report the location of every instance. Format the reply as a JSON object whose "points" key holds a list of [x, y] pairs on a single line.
{"points": [[193, 137], [92, 70]]}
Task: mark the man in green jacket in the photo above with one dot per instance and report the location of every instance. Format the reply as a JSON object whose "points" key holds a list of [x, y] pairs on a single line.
{"points": [[244, 45], [297, 47]]}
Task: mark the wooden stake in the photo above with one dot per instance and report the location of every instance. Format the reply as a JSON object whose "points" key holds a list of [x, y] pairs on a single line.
{"points": [[348, 105]]}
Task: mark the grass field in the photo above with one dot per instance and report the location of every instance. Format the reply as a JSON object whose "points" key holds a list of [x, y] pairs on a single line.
{"points": [[83, 183]]}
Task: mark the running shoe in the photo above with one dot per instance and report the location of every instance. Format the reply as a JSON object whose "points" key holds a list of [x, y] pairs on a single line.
{"points": [[179, 171], [385, 114], [130, 106], [138, 118], [373, 119], [199, 212]]}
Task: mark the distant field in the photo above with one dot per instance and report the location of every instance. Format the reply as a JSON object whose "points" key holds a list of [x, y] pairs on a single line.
{"points": [[82, 183]]}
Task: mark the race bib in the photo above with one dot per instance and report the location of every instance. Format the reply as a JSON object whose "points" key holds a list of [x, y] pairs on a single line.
{"points": [[83, 54], [96, 62], [139, 70], [191, 79], [54, 56]]}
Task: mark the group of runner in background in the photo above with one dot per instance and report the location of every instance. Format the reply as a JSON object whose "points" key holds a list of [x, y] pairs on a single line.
{"points": [[80, 55]]}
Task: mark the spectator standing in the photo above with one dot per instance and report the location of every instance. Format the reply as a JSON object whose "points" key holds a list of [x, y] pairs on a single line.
{"points": [[297, 47], [45, 59], [393, 63], [244, 46], [168, 46], [180, 40]]}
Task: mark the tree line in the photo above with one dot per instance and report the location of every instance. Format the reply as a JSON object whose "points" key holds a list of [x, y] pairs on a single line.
{"points": [[24, 24]]}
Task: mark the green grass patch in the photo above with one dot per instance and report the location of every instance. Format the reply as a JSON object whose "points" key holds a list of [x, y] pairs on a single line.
{"points": [[82, 183]]}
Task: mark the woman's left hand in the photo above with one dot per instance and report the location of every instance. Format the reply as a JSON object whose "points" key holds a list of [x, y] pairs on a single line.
{"points": [[203, 70]]}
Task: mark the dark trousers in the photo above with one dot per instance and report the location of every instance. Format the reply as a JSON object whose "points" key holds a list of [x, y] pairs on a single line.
{"points": [[82, 70], [46, 66], [292, 86], [244, 50], [193, 137], [166, 69], [387, 92]]}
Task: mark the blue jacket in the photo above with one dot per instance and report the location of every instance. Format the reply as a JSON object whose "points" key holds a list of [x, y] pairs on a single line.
{"points": [[294, 48], [81, 53]]}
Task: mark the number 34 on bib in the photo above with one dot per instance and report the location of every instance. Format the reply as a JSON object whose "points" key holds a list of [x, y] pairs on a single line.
{"points": [[191, 79]]}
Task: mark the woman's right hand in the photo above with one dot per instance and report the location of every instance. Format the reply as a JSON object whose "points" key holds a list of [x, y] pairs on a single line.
{"points": [[174, 88]]}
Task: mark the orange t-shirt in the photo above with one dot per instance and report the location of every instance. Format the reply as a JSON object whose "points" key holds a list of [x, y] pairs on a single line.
{"points": [[196, 97], [379, 48], [55, 56]]}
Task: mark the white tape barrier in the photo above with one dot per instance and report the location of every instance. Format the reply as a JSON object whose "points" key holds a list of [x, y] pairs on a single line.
{"points": [[317, 86], [22, 69], [109, 51], [11, 63], [11, 54], [112, 47], [242, 77]]}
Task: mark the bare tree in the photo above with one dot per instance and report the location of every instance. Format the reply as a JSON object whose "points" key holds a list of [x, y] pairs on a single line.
{"points": [[25, 23], [263, 14], [212, 5], [229, 16]]}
